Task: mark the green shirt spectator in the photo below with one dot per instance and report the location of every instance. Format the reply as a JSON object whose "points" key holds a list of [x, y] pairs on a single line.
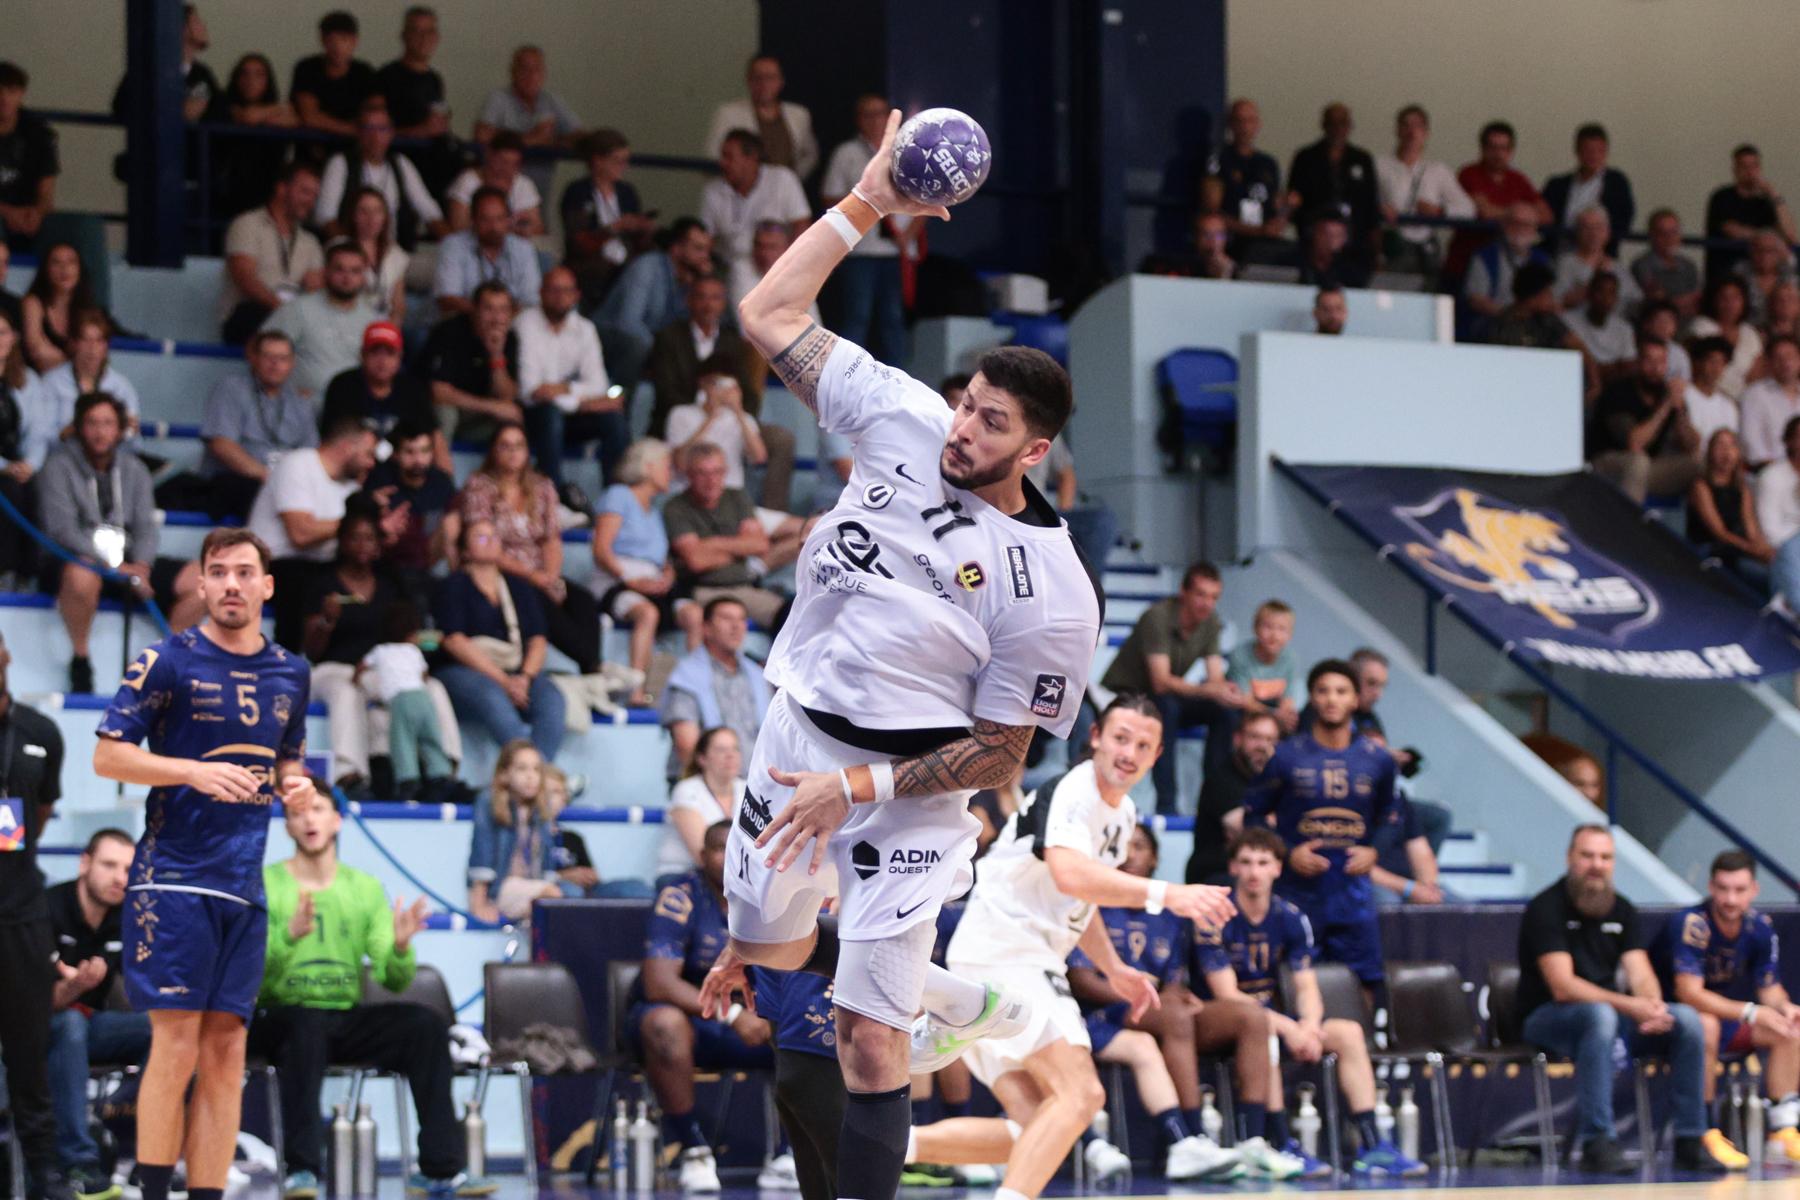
{"points": [[1160, 631]]}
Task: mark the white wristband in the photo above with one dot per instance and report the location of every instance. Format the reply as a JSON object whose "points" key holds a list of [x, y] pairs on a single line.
{"points": [[1155, 895], [733, 1013], [856, 190], [841, 225], [882, 773], [1749, 1017], [844, 778]]}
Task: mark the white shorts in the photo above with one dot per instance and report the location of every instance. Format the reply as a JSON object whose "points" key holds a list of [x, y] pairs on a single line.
{"points": [[1054, 1017], [891, 865]]}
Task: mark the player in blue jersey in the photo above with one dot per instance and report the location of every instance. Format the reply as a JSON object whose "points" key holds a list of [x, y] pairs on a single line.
{"points": [[1723, 959], [684, 936], [224, 711], [1325, 793], [809, 1088]]}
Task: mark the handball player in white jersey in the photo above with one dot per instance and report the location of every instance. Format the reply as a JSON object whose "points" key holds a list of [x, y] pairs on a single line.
{"points": [[942, 614]]}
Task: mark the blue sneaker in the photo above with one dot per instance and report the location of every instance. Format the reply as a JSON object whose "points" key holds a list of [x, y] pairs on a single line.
{"points": [[1314, 1168], [300, 1185], [1384, 1158], [460, 1184]]}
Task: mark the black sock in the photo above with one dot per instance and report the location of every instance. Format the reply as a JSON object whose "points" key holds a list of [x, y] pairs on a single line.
{"points": [[872, 1147], [957, 1108], [921, 1112], [1277, 1126], [1192, 1117], [823, 960], [155, 1180], [1366, 1129], [195, 1193], [682, 1130], [1174, 1129], [1252, 1120]]}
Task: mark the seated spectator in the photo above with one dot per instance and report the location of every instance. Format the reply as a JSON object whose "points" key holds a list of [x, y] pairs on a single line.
{"points": [[1496, 187], [28, 148], [1371, 684], [1639, 437], [1531, 319], [374, 163], [717, 418], [85, 1030], [503, 169], [59, 291], [342, 618], [1660, 319], [1169, 638], [411, 483], [326, 327], [1212, 237], [767, 244], [1406, 867], [715, 684], [1245, 958], [1778, 512], [488, 251], [530, 110], [685, 933], [603, 221], [1603, 333], [1663, 272], [748, 192], [1721, 509], [410, 86], [253, 417], [1726, 315], [1709, 408], [1587, 257], [1769, 266], [874, 313], [299, 510], [88, 369], [1768, 404], [11, 306], [649, 295], [1328, 258], [1495, 266], [94, 502], [785, 128], [199, 86], [494, 645], [568, 399], [1742, 207], [328, 89], [1219, 813], [1263, 669], [379, 394], [1412, 185], [370, 225], [1331, 311], [723, 543], [632, 573], [1783, 316], [709, 792], [1252, 202], [472, 362], [1576, 935], [270, 258], [1592, 184], [419, 736], [520, 503], [328, 923], [515, 837], [248, 166], [1333, 175], [27, 431]]}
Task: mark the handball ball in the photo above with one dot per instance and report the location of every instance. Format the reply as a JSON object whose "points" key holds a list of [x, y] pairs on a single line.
{"points": [[941, 156]]}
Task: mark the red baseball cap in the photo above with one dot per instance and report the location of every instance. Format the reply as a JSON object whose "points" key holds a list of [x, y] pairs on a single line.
{"points": [[383, 333]]}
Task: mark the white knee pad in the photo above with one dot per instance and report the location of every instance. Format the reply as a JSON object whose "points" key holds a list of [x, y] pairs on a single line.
{"points": [[885, 980]]}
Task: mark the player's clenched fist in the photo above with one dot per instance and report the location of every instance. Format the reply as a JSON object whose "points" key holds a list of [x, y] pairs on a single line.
{"points": [[224, 781], [1201, 903], [813, 813]]}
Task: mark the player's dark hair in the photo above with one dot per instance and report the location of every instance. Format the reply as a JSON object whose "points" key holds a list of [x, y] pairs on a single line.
{"points": [[1589, 827], [953, 381], [109, 834], [1136, 702], [1257, 837], [1331, 666], [718, 602], [338, 21], [224, 539], [1733, 860], [89, 401], [1493, 127], [708, 736], [400, 620], [1036, 381], [746, 141]]}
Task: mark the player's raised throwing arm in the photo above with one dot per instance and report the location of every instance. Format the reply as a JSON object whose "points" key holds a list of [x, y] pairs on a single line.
{"points": [[775, 315]]}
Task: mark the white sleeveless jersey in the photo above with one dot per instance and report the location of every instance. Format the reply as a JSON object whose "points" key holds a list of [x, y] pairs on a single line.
{"points": [[918, 605], [1016, 915]]}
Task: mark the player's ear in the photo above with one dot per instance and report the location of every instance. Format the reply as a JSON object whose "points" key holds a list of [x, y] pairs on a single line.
{"points": [[1035, 449]]}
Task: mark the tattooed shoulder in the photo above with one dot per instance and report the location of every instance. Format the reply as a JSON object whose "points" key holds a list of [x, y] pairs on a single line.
{"points": [[803, 362]]}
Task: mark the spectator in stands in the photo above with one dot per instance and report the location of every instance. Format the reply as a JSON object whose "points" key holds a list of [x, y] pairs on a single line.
{"points": [[1660, 319], [412, 483], [685, 933], [1709, 408], [1640, 437], [1576, 935], [328, 924], [1333, 175], [377, 165], [1783, 312], [603, 221], [723, 543], [568, 399], [1663, 272], [530, 110], [94, 502], [1169, 638], [1770, 265], [1331, 311], [248, 166], [1768, 404], [27, 431], [502, 168], [11, 306], [515, 836], [1263, 669], [493, 660], [1587, 257], [1254, 206], [1406, 867], [709, 792], [715, 684], [1726, 315], [251, 418], [1742, 207], [698, 339], [89, 369], [369, 223], [784, 128], [1584, 773], [1721, 509], [1371, 684], [632, 573], [419, 733], [199, 86], [487, 251], [270, 258], [717, 418], [1494, 266], [1604, 334], [1531, 319], [329, 88], [1212, 238], [1328, 256], [873, 311], [1412, 185], [326, 327], [29, 163], [649, 295], [410, 86], [472, 361], [748, 192], [1592, 184], [521, 504], [377, 393], [84, 1029], [1778, 511], [60, 289], [1495, 187], [1219, 813]]}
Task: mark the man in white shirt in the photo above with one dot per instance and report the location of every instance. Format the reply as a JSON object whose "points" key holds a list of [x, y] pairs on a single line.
{"points": [[1768, 404], [378, 166], [327, 326], [785, 128], [1606, 335], [1778, 512], [1412, 185], [748, 192], [1709, 408], [502, 167], [562, 382], [717, 417], [869, 280]]}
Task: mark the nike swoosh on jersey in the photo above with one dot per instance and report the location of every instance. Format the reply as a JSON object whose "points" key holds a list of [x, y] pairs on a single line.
{"points": [[904, 913], [901, 472]]}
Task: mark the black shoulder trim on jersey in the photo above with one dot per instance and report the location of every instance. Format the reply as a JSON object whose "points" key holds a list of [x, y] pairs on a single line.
{"points": [[1038, 510], [1034, 819]]}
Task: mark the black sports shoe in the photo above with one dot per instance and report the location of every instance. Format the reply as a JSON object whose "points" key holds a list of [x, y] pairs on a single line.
{"points": [[177, 1184], [1691, 1154], [81, 675], [92, 1183], [1602, 1156]]}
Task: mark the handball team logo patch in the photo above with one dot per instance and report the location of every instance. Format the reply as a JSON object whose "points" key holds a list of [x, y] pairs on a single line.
{"points": [[1047, 696], [865, 859], [970, 576], [877, 495]]}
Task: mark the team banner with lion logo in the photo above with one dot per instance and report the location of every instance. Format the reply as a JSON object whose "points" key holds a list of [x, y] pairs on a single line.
{"points": [[1561, 568]]}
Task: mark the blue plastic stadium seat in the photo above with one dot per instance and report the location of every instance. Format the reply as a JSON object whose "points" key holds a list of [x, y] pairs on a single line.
{"points": [[1047, 333], [1200, 386]]}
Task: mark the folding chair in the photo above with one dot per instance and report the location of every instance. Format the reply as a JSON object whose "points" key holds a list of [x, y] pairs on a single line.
{"points": [[519, 994]]}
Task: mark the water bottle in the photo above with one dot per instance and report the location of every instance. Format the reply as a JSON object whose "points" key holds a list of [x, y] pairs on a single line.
{"points": [[1307, 1124], [1406, 1120], [474, 1140], [643, 1150], [1101, 1125], [1211, 1123], [619, 1151], [1384, 1117], [366, 1160], [343, 1154], [1756, 1127]]}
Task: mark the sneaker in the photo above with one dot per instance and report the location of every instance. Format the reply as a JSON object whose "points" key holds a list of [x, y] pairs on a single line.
{"points": [[1784, 1146], [1712, 1152], [1199, 1157], [977, 1174], [926, 1175], [697, 1172], [1314, 1168], [778, 1175], [91, 1183], [935, 1045], [1266, 1162], [567, 518], [48, 1185], [81, 676], [300, 1185], [460, 1184], [1384, 1158], [573, 498], [1105, 1161], [1602, 1156]]}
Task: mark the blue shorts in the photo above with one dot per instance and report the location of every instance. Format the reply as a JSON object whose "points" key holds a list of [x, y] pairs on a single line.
{"points": [[1356, 944], [717, 1047], [193, 952], [1105, 1024]]}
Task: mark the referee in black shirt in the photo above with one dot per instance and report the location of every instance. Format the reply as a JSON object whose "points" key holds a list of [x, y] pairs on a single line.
{"points": [[31, 752]]}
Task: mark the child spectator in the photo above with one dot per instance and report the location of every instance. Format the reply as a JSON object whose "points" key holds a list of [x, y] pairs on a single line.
{"points": [[394, 673], [515, 835], [569, 857], [1264, 669]]}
